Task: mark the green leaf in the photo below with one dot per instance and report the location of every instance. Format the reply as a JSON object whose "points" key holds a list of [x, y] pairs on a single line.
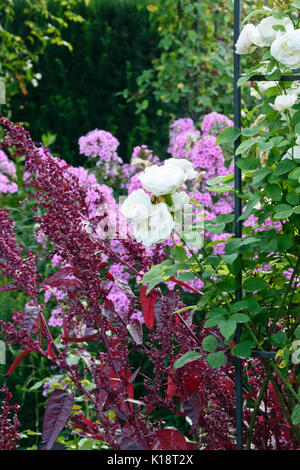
{"points": [[229, 259], [243, 349], [213, 321], [178, 253], [249, 163], [228, 135], [249, 304], [274, 192], [186, 358], [282, 211], [233, 245], [295, 174], [254, 284], [283, 167], [296, 415], [240, 317], [250, 131], [227, 328], [259, 176], [216, 359], [210, 343], [245, 146]]}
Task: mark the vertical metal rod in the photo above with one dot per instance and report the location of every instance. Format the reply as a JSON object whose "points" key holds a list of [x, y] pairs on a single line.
{"points": [[238, 224]]}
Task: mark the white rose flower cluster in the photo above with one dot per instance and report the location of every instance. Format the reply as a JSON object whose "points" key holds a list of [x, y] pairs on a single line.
{"points": [[284, 42], [150, 214]]}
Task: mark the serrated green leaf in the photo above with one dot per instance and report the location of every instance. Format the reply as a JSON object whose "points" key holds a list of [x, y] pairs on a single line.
{"points": [[210, 343], [216, 359], [254, 284], [186, 358], [228, 135]]}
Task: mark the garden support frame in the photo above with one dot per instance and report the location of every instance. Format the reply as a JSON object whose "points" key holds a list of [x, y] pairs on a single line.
{"points": [[238, 223]]}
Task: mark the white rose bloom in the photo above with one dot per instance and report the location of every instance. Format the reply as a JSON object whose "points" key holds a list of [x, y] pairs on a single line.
{"points": [[136, 206], [248, 39], [266, 31], [286, 48], [186, 166], [284, 102], [180, 200], [294, 151], [156, 227], [160, 180], [262, 88]]}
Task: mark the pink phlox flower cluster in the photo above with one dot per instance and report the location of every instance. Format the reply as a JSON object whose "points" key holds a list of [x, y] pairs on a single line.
{"points": [[213, 123], [181, 145], [7, 171], [206, 155], [101, 144], [181, 126], [6, 166], [252, 221], [56, 317], [219, 249]]}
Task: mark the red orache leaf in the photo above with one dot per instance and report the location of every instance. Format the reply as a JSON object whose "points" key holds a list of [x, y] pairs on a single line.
{"points": [[7, 287], [147, 302], [172, 388], [184, 284], [50, 353], [83, 339], [18, 360], [170, 439], [59, 279], [56, 416], [135, 329], [108, 310], [192, 407]]}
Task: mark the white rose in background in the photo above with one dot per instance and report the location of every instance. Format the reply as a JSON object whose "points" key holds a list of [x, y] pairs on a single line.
{"points": [[286, 48], [248, 39], [284, 102], [293, 152], [262, 88], [180, 200], [136, 206], [160, 180], [156, 227], [186, 166], [266, 31]]}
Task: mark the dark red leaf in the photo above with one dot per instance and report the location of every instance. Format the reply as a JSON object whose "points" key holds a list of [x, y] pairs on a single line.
{"points": [[167, 301], [69, 339], [7, 287], [59, 279], [136, 331], [108, 310], [191, 407], [184, 284], [123, 285], [109, 276], [170, 439], [18, 360], [56, 416], [50, 353], [147, 302]]}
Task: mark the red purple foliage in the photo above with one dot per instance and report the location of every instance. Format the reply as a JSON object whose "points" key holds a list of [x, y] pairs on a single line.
{"points": [[196, 394], [9, 423]]}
